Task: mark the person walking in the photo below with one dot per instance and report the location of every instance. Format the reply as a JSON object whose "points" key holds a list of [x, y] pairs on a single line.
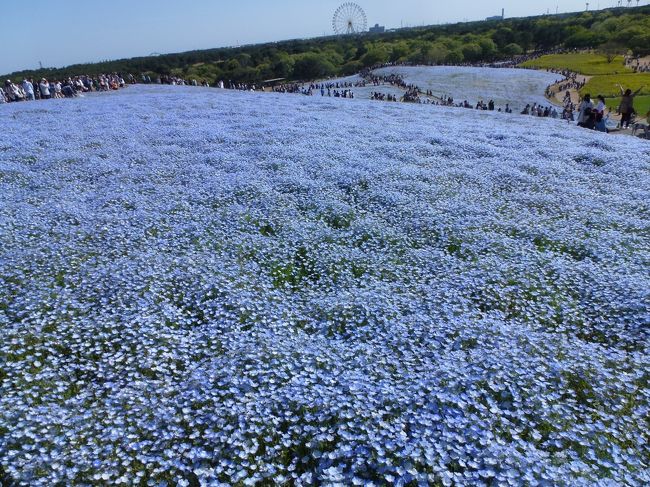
{"points": [[626, 108]]}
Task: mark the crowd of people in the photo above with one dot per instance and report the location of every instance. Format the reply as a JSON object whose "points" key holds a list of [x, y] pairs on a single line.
{"points": [[592, 113], [287, 88], [389, 79], [376, 95], [570, 81], [30, 90], [589, 113], [637, 64], [173, 80], [537, 110], [592, 116]]}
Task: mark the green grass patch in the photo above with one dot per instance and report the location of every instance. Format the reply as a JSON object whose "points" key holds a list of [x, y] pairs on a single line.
{"points": [[608, 85], [641, 105], [583, 63]]}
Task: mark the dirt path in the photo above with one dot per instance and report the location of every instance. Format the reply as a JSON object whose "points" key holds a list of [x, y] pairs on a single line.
{"points": [[558, 95]]}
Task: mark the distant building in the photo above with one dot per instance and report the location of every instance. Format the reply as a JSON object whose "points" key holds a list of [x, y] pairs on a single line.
{"points": [[377, 29], [498, 17]]}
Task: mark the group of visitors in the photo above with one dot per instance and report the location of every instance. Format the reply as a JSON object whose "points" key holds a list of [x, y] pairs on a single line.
{"points": [[412, 95], [376, 95], [44, 89], [537, 110], [341, 94], [378, 80], [570, 82], [339, 89], [230, 85], [637, 65], [591, 115], [174, 81], [287, 88]]}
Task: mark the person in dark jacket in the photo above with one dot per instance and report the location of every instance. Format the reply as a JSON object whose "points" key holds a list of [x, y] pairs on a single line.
{"points": [[626, 108]]}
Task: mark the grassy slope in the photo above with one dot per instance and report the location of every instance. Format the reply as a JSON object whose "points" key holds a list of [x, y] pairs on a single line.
{"points": [[641, 105], [583, 63], [604, 76], [608, 85]]}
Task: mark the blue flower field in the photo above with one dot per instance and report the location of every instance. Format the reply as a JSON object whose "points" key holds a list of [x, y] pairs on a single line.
{"points": [[201, 287]]}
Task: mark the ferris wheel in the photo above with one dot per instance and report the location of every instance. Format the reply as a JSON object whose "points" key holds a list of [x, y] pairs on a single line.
{"points": [[349, 18]]}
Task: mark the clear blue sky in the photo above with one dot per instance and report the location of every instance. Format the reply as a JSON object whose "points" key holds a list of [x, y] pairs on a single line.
{"points": [[65, 32]]}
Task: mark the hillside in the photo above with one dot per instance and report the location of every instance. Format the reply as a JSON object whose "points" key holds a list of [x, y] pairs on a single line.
{"points": [[202, 286], [621, 29]]}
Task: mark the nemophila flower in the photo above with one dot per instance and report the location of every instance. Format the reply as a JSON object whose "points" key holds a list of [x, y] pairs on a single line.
{"points": [[218, 288]]}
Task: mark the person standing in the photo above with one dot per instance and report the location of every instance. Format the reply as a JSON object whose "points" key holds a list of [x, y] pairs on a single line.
{"points": [[13, 92], [586, 116], [44, 86], [28, 88], [601, 121], [57, 89], [626, 108], [37, 89], [600, 108]]}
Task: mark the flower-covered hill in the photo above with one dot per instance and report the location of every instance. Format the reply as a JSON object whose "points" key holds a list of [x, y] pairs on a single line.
{"points": [[517, 87], [217, 287]]}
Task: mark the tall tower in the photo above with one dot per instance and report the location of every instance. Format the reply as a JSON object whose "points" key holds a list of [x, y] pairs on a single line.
{"points": [[503, 13]]}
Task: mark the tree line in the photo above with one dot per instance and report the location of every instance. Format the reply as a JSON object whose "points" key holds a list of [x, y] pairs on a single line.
{"points": [[623, 30]]}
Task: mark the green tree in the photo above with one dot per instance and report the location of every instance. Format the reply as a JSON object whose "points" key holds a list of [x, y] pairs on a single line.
{"points": [[472, 52], [512, 49], [547, 34], [640, 44], [283, 67], [454, 57], [399, 51], [375, 55], [311, 66], [352, 67], [611, 50], [488, 47], [580, 37], [503, 36], [525, 39], [232, 65], [244, 59], [435, 53]]}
